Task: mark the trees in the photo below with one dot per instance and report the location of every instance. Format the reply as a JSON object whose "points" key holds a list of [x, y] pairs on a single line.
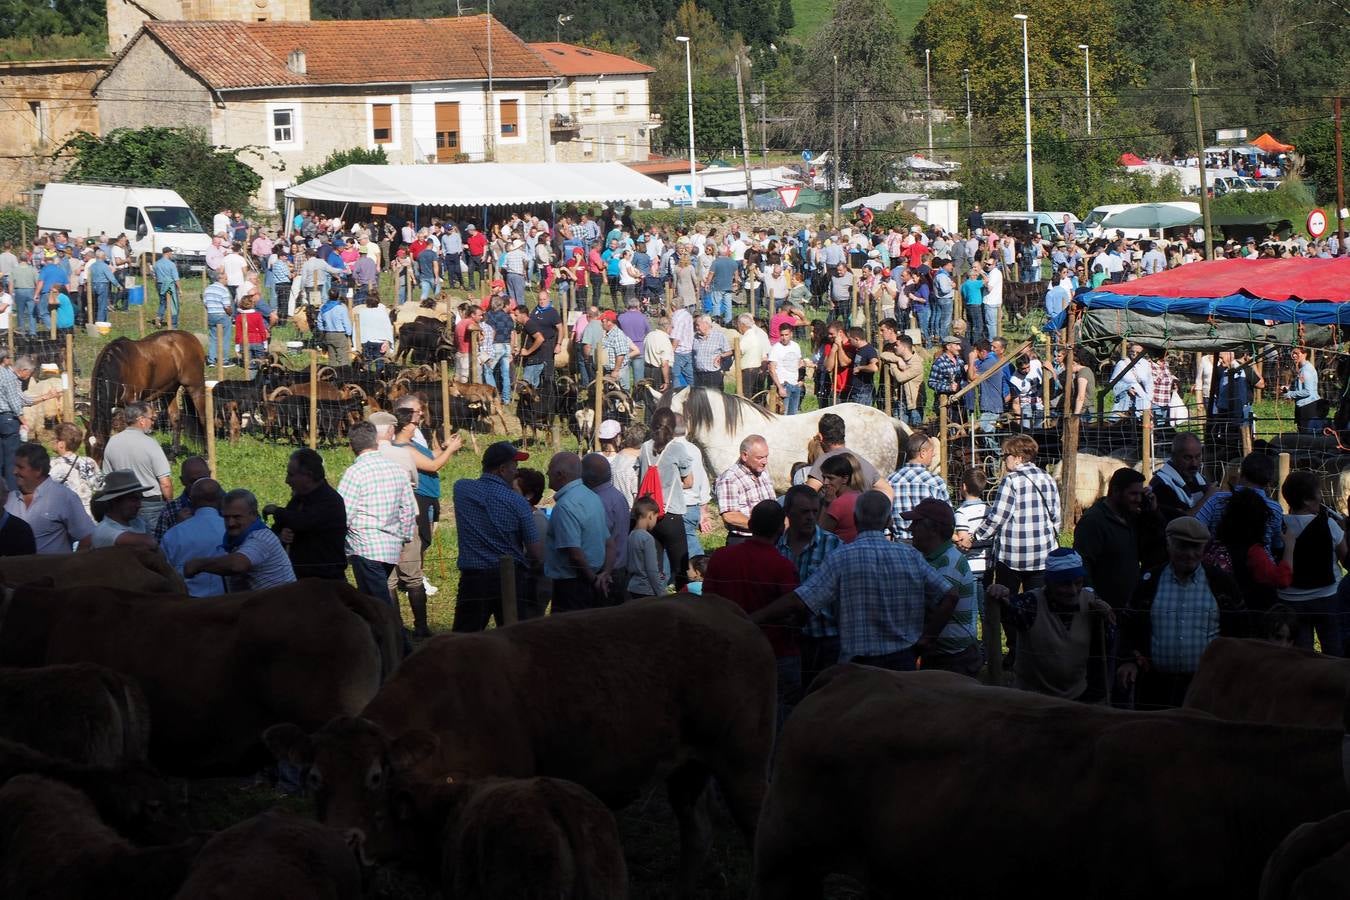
{"points": [[716, 126], [356, 156], [874, 82], [208, 178], [1316, 144], [34, 30]]}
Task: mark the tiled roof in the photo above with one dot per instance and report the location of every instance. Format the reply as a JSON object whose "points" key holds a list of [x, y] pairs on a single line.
{"points": [[664, 165], [253, 54], [569, 59]]}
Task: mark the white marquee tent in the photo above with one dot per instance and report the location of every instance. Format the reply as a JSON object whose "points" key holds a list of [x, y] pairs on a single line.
{"points": [[482, 184]]}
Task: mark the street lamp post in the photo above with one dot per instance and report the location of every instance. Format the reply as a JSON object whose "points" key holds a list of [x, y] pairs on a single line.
{"points": [[1026, 103], [1087, 82], [689, 85]]}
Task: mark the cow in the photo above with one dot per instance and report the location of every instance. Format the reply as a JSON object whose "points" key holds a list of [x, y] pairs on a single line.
{"points": [[54, 846], [83, 713], [894, 778], [217, 670], [511, 838], [1312, 863], [131, 797], [607, 698], [1255, 681], [138, 570], [274, 854]]}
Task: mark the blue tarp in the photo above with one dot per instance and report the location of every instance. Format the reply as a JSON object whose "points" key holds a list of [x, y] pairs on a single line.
{"points": [[1235, 308]]}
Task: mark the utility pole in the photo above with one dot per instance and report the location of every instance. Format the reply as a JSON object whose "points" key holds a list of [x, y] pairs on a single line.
{"points": [[745, 136], [1341, 249], [764, 122], [970, 130], [1200, 150], [834, 179], [490, 142], [928, 96]]}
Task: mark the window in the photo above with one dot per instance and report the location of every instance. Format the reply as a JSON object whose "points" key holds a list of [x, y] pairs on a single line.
{"points": [[620, 146], [131, 219], [283, 126], [510, 118], [382, 123], [587, 103], [447, 131], [39, 121], [620, 101], [588, 149]]}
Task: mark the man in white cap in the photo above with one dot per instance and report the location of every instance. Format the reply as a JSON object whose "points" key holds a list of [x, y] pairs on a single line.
{"points": [[514, 266], [1055, 628]]}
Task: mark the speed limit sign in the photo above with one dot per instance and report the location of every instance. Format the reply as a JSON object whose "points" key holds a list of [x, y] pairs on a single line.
{"points": [[1317, 223]]}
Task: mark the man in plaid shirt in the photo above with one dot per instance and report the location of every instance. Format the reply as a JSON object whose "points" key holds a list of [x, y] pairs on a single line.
{"points": [[381, 512], [948, 372], [913, 483], [743, 485], [710, 348], [1024, 519], [806, 545], [890, 603]]}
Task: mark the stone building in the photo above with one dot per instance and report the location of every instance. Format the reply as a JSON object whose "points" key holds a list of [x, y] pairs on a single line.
{"points": [[426, 90], [125, 17], [46, 102]]}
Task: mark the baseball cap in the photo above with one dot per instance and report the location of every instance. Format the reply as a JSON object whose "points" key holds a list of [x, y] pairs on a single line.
{"points": [[1188, 529], [609, 430], [502, 453], [609, 315], [933, 510]]}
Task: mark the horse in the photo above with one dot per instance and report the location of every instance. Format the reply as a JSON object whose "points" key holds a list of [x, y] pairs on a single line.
{"points": [[150, 369], [718, 427]]}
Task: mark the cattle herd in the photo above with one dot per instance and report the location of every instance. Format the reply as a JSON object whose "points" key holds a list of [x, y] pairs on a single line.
{"points": [[487, 764]]}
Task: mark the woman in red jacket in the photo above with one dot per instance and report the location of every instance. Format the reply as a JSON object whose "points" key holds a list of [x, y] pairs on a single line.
{"points": [[251, 328]]}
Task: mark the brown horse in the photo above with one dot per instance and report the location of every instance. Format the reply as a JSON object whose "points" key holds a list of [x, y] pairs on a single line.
{"points": [[150, 369]]}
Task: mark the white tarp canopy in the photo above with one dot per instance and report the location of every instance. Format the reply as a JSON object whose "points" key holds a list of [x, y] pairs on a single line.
{"points": [[482, 184]]}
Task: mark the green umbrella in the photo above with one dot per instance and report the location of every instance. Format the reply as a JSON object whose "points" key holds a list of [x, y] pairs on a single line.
{"points": [[1151, 216]]}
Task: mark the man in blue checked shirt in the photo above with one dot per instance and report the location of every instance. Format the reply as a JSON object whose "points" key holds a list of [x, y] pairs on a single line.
{"points": [[890, 604]]}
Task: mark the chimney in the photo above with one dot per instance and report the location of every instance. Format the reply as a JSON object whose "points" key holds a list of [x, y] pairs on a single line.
{"points": [[295, 62]]}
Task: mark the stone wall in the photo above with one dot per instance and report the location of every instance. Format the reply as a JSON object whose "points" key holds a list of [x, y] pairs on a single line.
{"points": [[149, 88], [48, 101]]}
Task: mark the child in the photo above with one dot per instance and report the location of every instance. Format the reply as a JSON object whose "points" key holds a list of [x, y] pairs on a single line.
{"points": [[698, 568], [969, 517], [250, 322], [646, 578], [536, 591], [840, 495]]}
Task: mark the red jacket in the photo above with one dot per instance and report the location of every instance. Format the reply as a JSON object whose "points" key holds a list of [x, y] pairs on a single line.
{"points": [[257, 327]]}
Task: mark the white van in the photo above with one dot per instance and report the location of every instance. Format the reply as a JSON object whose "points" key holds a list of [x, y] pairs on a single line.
{"points": [[1045, 224], [151, 218], [1093, 223]]}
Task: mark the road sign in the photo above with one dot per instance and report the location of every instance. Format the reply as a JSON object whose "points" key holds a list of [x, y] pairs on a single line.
{"points": [[685, 192], [807, 155], [788, 194], [1317, 223]]}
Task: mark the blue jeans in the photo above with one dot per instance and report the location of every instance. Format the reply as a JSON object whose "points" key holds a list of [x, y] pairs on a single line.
{"points": [[991, 319], [691, 520], [372, 578], [1323, 615], [939, 318], [497, 371], [721, 305], [23, 305], [975, 316], [9, 443], [862, 393], [533, 373], [792, 403], [639, 370], [450, 268], [428, 286], [171, 306], [920, 311], [684, 370], [41, 315], [212, 320], [101, 302], [789, 686]]}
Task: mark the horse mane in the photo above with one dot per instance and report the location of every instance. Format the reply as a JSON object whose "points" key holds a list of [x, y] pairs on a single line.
{"points": [[105, 387], [699, 412]]}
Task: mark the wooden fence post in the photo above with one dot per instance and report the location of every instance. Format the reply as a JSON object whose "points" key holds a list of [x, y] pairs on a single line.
{"points": [[736, 365], [473, 357], [445, 400], [221, 351], [1146, 451], [1069, 465], [1282, 467], [51, 313], [1047, 373], [313, 398], [211, 427], [69, 384], [9, 333], [140, 310], [598, 386], [886, 388], [507, 569], [89, 296], [942, 437]]}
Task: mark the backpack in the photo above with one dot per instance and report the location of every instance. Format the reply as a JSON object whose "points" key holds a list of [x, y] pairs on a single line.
{"points": [[650, 486], [1313, 554]]}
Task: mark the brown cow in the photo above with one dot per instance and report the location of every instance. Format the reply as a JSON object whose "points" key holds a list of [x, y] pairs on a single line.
{"points": [[607, 698], [138, 570], [1255, 681], [510, 838], [53, 846], [131, 797], [274, 855], [217, 670], [1313, 863], [933, 782], [83, 713]]}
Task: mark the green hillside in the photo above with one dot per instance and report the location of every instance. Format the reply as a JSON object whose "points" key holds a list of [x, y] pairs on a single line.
{"points": [[811, 13]]}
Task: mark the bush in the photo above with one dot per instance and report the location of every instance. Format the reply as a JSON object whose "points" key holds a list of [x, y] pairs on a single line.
{"points": [[15, 223], [883, 221]]}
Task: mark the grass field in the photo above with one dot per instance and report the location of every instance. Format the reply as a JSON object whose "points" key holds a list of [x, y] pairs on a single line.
{"points": [[811, 14]]}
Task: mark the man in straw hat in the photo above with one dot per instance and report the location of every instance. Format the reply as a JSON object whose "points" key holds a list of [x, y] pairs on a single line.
{"points": [[117, 509]]}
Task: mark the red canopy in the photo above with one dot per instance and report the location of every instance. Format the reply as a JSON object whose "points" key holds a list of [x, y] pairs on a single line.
{"points": [[1129, 159], [1326, 280], [1269, 145]]}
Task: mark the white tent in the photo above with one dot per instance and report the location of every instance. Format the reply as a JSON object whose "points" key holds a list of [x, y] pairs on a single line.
{"points": [[482, 184]]}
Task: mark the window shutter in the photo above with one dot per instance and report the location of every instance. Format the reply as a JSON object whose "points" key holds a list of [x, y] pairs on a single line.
{"points": [[382, 123], [510, 110]]}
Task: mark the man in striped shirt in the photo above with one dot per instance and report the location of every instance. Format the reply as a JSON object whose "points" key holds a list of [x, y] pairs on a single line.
{"points": [[381, 512]]}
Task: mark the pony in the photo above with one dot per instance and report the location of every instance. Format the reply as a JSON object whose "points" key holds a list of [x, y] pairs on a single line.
{"points": [[150, 369], [718, 422]]}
